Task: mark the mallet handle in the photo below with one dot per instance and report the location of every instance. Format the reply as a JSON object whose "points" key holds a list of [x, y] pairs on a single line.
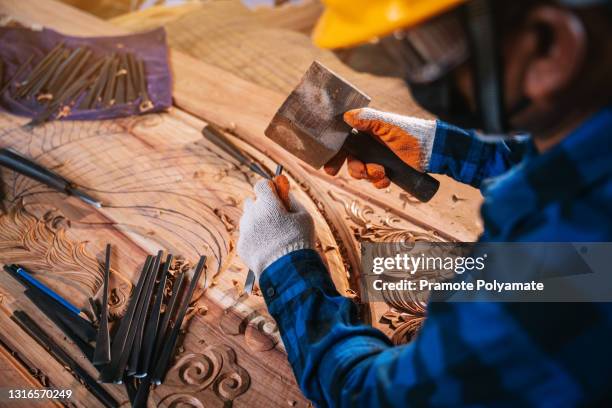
{"points": [[363, 147]]}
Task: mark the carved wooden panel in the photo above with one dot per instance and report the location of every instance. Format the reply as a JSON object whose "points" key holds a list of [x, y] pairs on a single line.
{"points": [[165, 187]]}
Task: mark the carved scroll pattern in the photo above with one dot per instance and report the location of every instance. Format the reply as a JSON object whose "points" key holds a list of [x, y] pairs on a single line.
{"points": [[406, 314], [212, 375]]}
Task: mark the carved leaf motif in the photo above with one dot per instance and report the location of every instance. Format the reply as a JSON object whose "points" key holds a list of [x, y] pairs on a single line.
{"points": [[386, 231], [406, 315]]}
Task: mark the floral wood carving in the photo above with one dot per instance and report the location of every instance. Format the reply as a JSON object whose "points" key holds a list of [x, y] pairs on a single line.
{"points": [[41, 244], [213, 376], [405, 316]]}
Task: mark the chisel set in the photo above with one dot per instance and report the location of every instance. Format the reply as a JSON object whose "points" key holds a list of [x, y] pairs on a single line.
{"points": [[68, 79], [144, 339]]}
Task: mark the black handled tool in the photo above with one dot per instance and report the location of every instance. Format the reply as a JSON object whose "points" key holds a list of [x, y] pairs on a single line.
{"points": [[57, 309], [44, 340], [171, 307], [363, 146], [153, 323], [102, 351], [27, 167], [136, 333], [112, 370], [215, 136], [163, 359]]}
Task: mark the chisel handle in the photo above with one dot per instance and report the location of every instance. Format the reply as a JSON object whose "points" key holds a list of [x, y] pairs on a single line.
{"points": [[20, 164], [365, 148]]}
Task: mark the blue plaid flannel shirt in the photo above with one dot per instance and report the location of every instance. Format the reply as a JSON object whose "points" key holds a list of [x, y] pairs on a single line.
{"points": [[470, 354]]}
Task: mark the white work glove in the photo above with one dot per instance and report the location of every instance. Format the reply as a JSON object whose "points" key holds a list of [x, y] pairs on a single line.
{"points": [[410, 138], [268, 231]]}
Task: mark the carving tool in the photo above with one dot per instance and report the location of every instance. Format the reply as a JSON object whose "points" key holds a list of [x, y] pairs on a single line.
{"points": [[111, 371], [177, 287], [79, 330], [109, 87], [152, 324], [249, 282], [250, 279], [38, 74], [279, 170], [17, 74], [119, 93], [170, 343], [31, 281], [70, 73], [66, 96], [38, 71], [130, 388], [142, 394], [102, 350], [145, 102], [45, 341], [91, 99], [20, 164], [48, 74], [130, 93], [309, 125], [216, 137], [136, 335]]}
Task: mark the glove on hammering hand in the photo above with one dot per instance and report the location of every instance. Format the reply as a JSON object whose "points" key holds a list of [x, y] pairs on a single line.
{"points": [[268, 230], [410, 138]]}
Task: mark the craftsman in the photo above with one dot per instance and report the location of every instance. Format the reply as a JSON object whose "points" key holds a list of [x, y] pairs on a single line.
{"points": [[542, 68]]}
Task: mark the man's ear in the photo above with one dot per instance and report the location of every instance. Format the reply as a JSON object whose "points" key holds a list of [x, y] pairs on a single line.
{"points": [[561, 51]]}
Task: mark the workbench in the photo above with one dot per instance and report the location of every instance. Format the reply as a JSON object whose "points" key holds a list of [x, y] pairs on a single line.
{"points": [[165, 187]]}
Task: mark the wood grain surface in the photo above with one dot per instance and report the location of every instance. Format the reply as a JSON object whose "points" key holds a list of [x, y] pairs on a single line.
{"points": [[164, 187]]}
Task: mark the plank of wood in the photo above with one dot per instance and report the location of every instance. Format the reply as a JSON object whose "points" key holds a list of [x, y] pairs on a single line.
{"points": [[229, 36], [14, 375], [36, 358], [167, 188], [161, 151], [300, 17], [275, 59], [246, 108]]}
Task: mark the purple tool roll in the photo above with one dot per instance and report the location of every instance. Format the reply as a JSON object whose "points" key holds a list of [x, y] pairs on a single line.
{"points": [[18, 44]]}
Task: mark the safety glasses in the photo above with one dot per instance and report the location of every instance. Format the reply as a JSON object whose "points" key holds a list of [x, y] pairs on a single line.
{"points": [[431, 50]]}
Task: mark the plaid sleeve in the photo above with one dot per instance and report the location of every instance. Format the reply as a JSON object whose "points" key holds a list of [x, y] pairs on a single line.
{"points": [[466, 354], [466, 157]]}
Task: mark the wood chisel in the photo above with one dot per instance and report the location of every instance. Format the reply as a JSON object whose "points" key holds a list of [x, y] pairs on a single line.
{"points": [[250, 279], [44, 340], [112, 371], [151, 327], [29, 280], [22, 165], [215, 136], [163, 359], [102, 353], [65, 315], [135, 336]]}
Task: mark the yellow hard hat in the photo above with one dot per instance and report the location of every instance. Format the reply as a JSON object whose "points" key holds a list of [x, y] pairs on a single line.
{"points": [[346, 23]]}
